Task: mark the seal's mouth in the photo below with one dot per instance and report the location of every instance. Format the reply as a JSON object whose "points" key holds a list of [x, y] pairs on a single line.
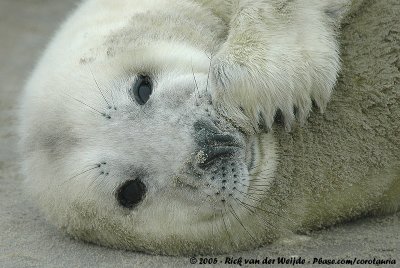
{"points": [[214, 154], [251, 154], [219, 167]]}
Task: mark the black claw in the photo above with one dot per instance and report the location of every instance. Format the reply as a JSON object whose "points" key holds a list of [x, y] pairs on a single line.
{"points": [[296, 111], [261, 122], [314, 105], [278, 119]]}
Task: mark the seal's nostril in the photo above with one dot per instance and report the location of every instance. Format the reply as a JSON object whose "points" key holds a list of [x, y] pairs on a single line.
{"points": [[207, 126], [207, 134], [131, 193]]}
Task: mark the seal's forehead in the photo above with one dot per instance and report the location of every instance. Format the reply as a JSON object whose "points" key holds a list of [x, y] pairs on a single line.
{"points": [[141, 30]]}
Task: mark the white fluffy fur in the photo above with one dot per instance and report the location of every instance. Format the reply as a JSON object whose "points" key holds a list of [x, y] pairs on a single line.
{"points": [[233, 61]]}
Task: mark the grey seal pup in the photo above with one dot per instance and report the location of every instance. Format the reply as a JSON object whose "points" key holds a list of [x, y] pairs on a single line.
{"points": [[148, 126]]}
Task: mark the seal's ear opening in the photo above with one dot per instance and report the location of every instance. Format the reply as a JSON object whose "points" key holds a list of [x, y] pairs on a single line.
{"points": [[131, 193]]}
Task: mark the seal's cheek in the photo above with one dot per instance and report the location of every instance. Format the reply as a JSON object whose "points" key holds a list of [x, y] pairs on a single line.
{"points": [[56, 142]]}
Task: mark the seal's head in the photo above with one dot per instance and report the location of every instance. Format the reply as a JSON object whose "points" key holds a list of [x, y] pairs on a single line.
{"points": [[127, 150]]}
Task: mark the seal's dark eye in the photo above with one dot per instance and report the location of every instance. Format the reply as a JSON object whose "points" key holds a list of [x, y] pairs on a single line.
{"points": [[141, 89]]}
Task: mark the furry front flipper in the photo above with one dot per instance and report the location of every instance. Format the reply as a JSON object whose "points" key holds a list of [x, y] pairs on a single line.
{"points": [[279, 57]]}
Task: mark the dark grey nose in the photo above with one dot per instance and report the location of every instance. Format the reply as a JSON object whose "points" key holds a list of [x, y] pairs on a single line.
{"points": [[131, 193], [214, 143]]}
